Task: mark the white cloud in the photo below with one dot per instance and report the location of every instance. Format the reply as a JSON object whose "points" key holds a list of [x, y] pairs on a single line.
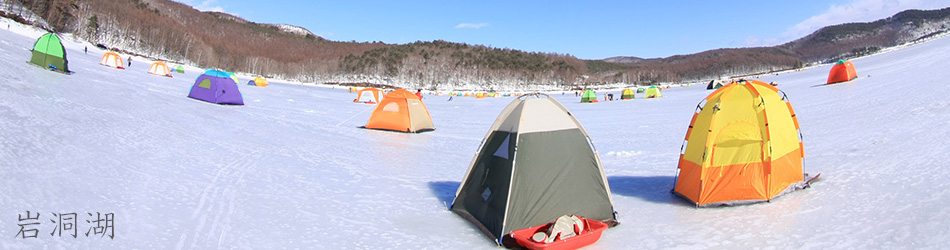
{"points": [[471, 25], [859, 11]]}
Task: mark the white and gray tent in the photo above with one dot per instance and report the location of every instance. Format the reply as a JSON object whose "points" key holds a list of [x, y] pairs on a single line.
{"points": [[535, 164]]}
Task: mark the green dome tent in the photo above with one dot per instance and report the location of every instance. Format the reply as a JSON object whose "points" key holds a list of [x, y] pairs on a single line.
{"points": [[554, 171], [589, 96], [180, 69], [48, 52]]}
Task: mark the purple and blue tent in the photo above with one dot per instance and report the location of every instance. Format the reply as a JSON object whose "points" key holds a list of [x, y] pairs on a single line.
{"points": [[216, 86]]}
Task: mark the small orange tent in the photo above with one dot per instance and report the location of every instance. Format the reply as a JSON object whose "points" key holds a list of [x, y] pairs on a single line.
{"points": [[160, 68], [742, 146], [369, 95], [112, 59], [403, 111], [843, 71]]}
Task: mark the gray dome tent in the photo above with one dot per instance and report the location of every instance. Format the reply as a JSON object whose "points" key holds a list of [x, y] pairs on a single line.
{"points": [[535, 164]]}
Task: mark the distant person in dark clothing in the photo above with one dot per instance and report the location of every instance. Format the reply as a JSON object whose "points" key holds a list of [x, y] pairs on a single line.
{"points": [[130, 61], [85, 50]]}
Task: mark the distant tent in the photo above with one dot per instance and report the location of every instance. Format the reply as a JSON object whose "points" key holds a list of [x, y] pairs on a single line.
{"points": [[112, 59], [640, 90], [714, 85], [652, 92], [48, 52], [369, 95], [589, 96], [535, 164], [258, 81], [627, 94], [403, 111], [216, 86], [743, 145], [843, 71], [159, 68], [234, 77], [480, 95], [180, 69]]}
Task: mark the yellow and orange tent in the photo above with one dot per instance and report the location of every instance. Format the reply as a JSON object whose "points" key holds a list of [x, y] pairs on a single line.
{"points": [[843, 71], [160, 68], [369, 95], [259, 82], [403, 111], [743, 145], [112, 59]]}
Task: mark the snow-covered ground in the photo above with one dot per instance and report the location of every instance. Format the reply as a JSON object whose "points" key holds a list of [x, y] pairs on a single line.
{"points": [[292, 170]]}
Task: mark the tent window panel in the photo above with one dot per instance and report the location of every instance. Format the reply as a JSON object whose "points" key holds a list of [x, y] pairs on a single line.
{"points": [[367, 96], [503, 149], [391, 107], [486, 194], [206, 83]]}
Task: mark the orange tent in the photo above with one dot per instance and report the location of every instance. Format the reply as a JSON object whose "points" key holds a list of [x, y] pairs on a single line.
{"points": [[743, 145], [403, 111], [112, 59], [259, 82], [369, 95], [843, 71], [160, 68]]}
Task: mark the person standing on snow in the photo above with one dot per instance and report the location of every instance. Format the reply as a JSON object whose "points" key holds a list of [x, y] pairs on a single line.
{"points": [[130, 62]]}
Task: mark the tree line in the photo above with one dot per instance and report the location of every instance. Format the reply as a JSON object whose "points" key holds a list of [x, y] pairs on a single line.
{"points": [[176, 32]]}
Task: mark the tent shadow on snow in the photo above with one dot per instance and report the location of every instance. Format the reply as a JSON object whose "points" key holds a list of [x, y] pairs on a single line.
{"points": [[444, 190], [654, 189]]}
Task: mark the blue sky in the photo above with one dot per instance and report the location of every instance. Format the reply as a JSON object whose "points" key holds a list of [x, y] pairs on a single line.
{"points": [[585, 29]]}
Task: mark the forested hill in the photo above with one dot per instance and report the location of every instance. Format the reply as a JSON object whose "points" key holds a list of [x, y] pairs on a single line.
{"points": [[173, 31]]}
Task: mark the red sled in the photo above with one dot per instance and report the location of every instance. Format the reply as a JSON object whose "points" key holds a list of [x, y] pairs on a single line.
{"points": [[591, 233]]}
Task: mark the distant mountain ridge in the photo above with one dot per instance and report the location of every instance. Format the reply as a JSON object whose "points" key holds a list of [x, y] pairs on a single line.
{"points": [[297, 30], [856, 39], [624, 59], [221, 40]]}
